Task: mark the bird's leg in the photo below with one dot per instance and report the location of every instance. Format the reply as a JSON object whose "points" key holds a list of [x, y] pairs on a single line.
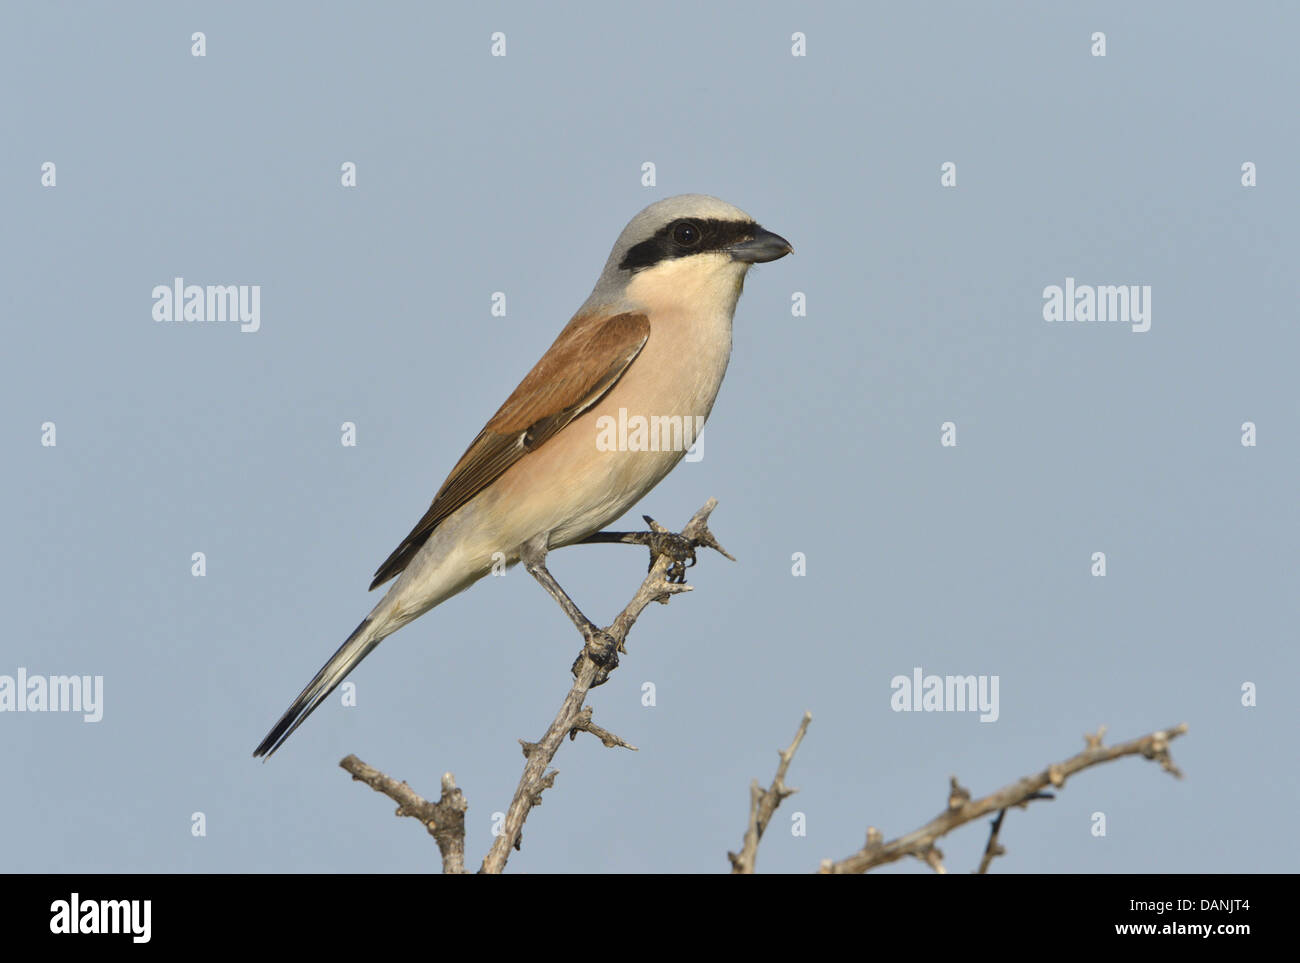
{"points": [[679, 549], [601, 647]]}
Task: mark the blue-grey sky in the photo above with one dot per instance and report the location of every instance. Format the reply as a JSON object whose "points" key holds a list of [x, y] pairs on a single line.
{"points": [[924, 306]]}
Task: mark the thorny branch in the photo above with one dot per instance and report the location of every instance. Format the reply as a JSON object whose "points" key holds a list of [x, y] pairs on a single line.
{"points": [[962, 809], [671, 554], [763, 803], [657, 587], [445, 820]]}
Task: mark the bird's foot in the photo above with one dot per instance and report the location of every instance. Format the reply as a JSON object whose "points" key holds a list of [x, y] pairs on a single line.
{"points": [[602, 650], [678, 549]]}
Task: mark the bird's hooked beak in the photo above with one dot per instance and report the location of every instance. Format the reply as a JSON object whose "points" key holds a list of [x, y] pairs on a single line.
{"points": [[764, 246]]}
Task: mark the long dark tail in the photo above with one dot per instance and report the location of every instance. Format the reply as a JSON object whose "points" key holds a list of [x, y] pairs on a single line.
{"points": [[359, 644]]}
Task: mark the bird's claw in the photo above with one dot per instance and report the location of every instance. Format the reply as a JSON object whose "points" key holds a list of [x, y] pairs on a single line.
{"points": [[602, 650], [679, 549]]}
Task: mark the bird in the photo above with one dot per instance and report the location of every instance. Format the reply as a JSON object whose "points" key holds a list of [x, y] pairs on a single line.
{"points": [[652, 340]]}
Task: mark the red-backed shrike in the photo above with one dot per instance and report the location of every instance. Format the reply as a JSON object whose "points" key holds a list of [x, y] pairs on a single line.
{"points": [[652, 340]]}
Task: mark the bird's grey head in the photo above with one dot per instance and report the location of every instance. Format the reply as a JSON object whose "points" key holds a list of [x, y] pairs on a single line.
{"points": [[683, 226]]}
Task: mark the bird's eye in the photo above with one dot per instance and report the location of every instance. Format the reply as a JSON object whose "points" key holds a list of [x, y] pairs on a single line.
{"points": [[686, 234]]}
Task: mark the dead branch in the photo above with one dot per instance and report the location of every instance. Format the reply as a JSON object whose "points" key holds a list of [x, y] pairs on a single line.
{"points": [[763, 803], [962, 809], [599, 648], [445, 819], [993, 848]]}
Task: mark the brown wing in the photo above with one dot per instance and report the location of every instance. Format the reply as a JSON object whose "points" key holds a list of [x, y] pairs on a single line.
{"points": [[585, 361]]}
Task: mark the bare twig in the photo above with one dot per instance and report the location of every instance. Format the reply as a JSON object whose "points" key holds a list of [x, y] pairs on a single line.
{"points": [[584, 724], [763, 803], [920, 843], [445, 819], [993, 849], [655, 588]]}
